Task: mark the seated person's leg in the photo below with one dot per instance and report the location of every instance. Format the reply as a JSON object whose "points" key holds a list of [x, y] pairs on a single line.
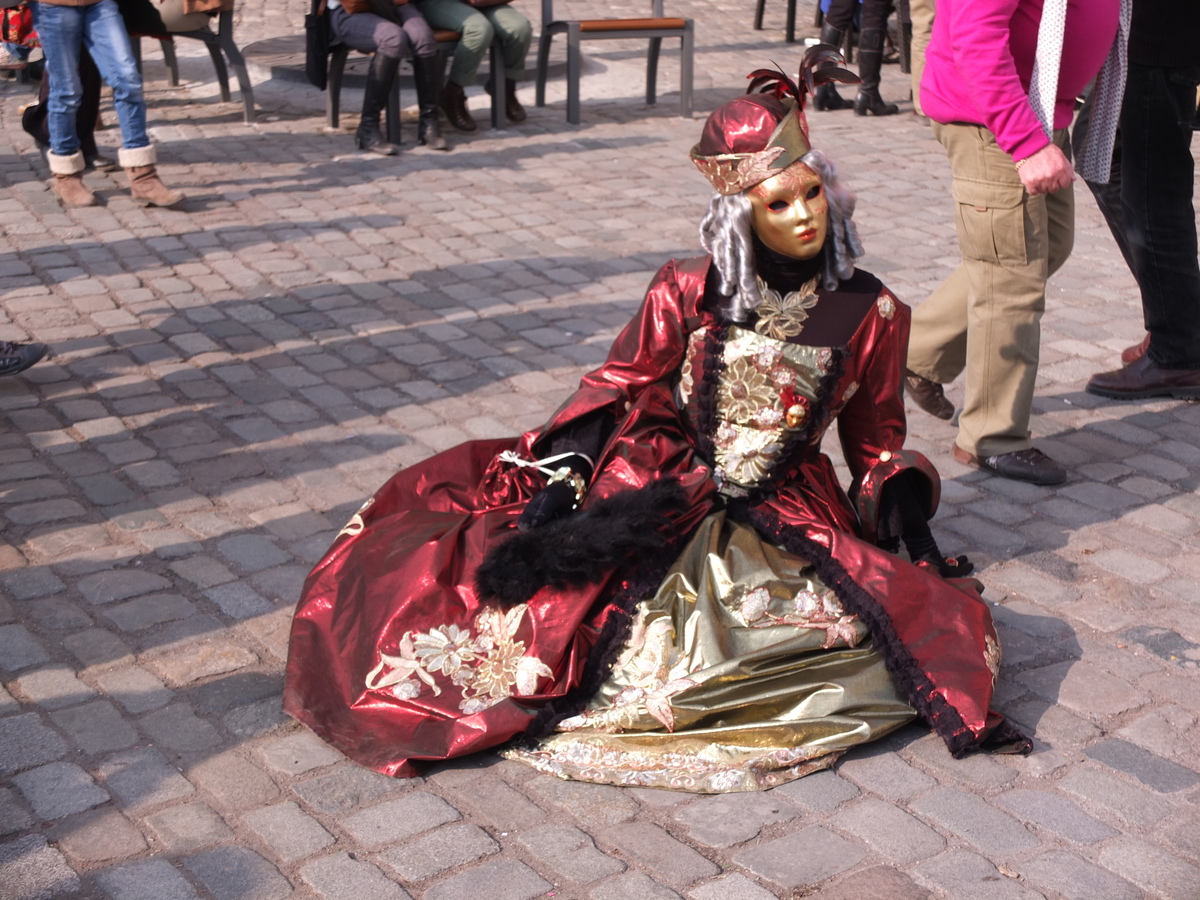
{"points": [[370, 33], [477, 36]]}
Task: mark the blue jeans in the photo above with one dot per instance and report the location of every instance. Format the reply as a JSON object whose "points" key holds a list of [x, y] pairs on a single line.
{"points": [[63, 30], [1148, 205]]}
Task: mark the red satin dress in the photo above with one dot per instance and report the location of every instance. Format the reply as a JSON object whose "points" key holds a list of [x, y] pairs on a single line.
{"points": [[770, 635]]}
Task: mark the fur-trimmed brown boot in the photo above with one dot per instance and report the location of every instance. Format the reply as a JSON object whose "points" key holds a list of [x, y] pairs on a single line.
{"points": [[145, 186], [68, 179]]}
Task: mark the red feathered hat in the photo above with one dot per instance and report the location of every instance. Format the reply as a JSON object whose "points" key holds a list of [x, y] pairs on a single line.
{"points": [[747, 140]]}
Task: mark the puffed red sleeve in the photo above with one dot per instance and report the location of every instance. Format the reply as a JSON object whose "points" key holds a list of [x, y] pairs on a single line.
{"points": [[872, 425], [649, 350]]}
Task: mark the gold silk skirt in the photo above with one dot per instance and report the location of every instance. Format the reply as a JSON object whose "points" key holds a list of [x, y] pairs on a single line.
{"points": [[741, 673]]}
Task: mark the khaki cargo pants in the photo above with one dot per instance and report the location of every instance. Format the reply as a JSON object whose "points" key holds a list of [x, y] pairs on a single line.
{"points": [[986, 317]]}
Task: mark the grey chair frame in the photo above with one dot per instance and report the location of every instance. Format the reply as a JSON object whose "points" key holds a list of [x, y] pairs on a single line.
{"points": [[621, 29], [217, 42]]}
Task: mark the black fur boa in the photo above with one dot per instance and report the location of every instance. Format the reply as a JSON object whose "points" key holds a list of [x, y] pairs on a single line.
{"points": [[580, 549]]}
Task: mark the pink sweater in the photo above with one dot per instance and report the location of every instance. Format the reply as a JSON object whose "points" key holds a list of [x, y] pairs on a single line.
{"points": [[979, 61]]}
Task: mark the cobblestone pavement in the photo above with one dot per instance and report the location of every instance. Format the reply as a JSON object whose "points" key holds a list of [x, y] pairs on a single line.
{"points": [[230, 380]]}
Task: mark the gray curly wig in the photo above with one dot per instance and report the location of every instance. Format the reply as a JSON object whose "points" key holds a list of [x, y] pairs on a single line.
{"points": [[726, 232]]}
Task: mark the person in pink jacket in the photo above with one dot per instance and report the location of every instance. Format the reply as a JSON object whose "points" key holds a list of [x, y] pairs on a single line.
{"points": [[1013, 186]]}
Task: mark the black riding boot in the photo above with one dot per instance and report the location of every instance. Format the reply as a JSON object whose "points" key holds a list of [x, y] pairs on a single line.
{"points": [[381, 75], [425, 76], [870, 60], [826, 95]]}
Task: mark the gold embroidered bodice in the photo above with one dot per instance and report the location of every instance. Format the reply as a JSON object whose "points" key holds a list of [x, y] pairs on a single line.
{"points": [[766, 391]]}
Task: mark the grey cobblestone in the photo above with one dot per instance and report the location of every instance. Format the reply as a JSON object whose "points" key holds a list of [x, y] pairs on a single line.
{"points": [[648, 846], [973, 819], [151, 879], [960, 873], [503, 807], [501, 879], [1065, 875], [177, 727], [32, 870], [146, 612], [298, 753], [630, 885], [342, 877], [134, 688], [106, 587], [13, 815], [727, 819], [59, 789], [344, 789], [95, 727], [238, 873], [878, 882], [1159, 873], [889, 831], [803, 858], [185, 829], [98, 836], [288, 831], [233, 781], [1055, 813], [143, 777], [882, 772], [1158, 773], [395, 820], [19, 649], [819, 792], [730, 887], [570, 853], [594, 804], [97, 647], [25, 742], [437, 851], [54, 687]]}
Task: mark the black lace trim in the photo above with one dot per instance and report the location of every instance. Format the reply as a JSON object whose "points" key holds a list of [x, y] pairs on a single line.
{"points": [[613, 637], [712, 362], [916, 685]]}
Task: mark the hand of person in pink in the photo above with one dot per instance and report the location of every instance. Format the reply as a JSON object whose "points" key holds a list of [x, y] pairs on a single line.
{"points": [[1046, 171]]}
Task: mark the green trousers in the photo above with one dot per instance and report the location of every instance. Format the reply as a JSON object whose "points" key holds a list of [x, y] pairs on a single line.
{"points": [[478, 28]]}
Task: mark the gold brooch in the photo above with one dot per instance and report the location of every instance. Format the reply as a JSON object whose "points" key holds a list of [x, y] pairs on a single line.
{"points": [[783, 316]]}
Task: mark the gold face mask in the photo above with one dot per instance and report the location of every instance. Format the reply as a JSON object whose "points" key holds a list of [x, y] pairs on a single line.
{"points": [[791, 212]]}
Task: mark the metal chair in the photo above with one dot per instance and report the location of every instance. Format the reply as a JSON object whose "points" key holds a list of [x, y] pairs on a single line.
{"points": [[577, 30], [217, 42]]}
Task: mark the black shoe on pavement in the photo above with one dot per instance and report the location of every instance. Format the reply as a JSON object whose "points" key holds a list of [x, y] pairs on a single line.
{"points": [[928, 395], [16, 358], [1143, 378], [1030, 465]]}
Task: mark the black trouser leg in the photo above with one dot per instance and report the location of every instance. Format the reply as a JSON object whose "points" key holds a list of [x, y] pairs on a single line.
{"points": [[425, 75]]}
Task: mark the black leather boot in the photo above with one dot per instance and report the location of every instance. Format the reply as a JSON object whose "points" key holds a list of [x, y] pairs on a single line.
{"points": [[381, 75], [425, 76], [870, 60], [826, 95]]}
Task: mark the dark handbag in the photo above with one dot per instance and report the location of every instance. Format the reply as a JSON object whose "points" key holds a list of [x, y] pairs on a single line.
{"points": [[316, 45], [484, 4]]}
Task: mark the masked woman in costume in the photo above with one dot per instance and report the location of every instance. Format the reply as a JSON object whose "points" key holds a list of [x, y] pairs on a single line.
{"points": [[666, 586]]}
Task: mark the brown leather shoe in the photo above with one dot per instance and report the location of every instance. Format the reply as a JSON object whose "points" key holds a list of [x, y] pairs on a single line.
{"points": [[1144, 378], [928, 395], [1136, 352], [1030, 465], [454, 107]]}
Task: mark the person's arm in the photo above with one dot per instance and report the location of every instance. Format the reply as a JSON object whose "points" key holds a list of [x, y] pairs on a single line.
{"points": [[980, 32]]}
